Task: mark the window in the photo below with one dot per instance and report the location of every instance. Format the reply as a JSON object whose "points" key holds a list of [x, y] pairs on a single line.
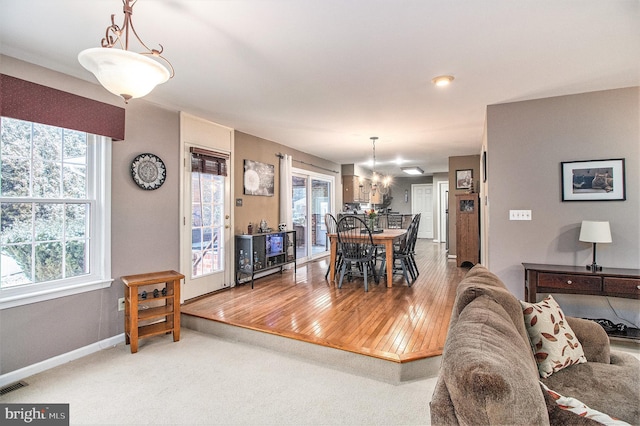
{"points": [[54, 212]]}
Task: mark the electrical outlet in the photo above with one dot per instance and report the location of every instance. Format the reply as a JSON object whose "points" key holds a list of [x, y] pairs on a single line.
{"points": [[121, 304], [519, 214]]}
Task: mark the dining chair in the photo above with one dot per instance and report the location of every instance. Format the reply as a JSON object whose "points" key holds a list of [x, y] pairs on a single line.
{"points": [[383, 221], [332, 226], [356, 244], [394, 221], [402, 260], [412, 248]]}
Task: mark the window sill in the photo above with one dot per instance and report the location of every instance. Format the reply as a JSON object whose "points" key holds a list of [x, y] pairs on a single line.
{"points": [[12, 301]]}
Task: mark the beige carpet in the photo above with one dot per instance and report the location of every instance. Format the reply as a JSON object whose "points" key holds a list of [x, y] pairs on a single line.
{"points": [[206, 380]]}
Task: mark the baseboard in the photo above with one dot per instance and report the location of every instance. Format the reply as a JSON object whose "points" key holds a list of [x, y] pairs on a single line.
{"points": [[451, 256], [30, 370]]}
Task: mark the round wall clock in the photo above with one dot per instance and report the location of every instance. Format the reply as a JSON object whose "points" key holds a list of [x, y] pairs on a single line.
{"points": [[148, 171]]}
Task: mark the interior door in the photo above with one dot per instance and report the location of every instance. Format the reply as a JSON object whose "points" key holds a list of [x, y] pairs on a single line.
{"points": [[422, 202], [207, 210]]}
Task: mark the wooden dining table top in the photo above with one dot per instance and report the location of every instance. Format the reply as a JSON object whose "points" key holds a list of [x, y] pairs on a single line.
{"points": [[386, 234]]}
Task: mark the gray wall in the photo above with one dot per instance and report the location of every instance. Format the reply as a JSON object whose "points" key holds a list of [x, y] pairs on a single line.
{"points": [[144, 234], [401, 184], [526, 143]]}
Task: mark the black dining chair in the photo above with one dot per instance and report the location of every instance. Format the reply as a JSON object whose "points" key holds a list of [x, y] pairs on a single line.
{"points": [[357, 248], [412, 248], [332, 227], [402, 255]]}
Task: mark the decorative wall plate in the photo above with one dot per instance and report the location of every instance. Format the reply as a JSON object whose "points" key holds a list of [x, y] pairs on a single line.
{"points": [[148, 171]]}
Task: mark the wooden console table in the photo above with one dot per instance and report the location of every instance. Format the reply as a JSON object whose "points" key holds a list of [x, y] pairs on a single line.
{"points": [[612, 282], [164, 318]]}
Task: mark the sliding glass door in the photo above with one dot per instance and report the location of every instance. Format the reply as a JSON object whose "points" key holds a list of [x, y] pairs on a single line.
{"points": [[313, 197]]}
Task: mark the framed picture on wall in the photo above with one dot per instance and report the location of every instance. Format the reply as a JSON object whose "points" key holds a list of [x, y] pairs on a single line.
{"points": [[594, 180], [464, 179], [258, 178]]}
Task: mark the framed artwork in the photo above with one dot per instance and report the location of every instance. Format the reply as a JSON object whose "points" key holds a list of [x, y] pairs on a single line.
{"points": [[258, 178], [594, 180], [464, 179]]}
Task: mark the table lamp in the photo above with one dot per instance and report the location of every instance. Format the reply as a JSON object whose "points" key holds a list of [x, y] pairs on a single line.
{"points": [[595, 232]]}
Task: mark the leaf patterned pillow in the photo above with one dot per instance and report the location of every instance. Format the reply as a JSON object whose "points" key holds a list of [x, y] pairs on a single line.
{"points": [[554, 343]]}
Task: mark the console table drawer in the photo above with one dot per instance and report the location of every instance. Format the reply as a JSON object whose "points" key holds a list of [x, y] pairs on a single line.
{"points": [[570, 282], [626, 286]]}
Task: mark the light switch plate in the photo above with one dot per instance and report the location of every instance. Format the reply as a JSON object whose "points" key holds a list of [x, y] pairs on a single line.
{"points": [[519, 214]]}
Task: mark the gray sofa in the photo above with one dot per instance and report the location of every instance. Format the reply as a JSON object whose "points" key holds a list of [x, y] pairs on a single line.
{"points": [[488, 373]]}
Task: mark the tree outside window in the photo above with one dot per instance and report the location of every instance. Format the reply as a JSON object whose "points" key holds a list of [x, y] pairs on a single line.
{"points": [[45, 203]]}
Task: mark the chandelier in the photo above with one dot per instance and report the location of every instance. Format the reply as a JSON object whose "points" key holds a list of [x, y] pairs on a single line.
{"points": [[123, 72], [378, 184]]}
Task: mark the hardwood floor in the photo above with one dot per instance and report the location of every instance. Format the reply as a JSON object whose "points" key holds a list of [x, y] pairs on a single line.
{"points": [[399, 324]]}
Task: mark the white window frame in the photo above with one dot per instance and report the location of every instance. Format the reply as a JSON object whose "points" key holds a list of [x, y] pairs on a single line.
{"points": [[99, 161]]}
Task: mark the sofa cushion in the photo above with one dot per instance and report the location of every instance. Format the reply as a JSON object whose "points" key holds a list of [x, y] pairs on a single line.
{"points": [[554, 343], [576, 406], [489, 371], [610, 388]]}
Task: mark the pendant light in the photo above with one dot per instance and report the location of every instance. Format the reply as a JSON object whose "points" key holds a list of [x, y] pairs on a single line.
{"points": [[123, 72]]}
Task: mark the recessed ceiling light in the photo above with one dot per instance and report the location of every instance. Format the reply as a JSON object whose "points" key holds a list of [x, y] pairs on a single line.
{"points": [[412, 170], [442, 80]]}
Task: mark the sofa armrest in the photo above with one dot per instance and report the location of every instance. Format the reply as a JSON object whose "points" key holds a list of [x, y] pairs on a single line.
{"points": [[593, 338], [441, 407], [623, 359]]}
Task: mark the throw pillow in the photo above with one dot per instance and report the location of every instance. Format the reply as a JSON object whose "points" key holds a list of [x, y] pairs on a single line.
{"points": [[554, 343]]}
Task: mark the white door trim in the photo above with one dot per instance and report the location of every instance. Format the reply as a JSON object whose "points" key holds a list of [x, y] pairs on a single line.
{"points": [[195, 131]]}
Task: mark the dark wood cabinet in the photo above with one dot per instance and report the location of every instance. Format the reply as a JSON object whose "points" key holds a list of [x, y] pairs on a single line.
{"points": [[612, 282], [467, 229]]}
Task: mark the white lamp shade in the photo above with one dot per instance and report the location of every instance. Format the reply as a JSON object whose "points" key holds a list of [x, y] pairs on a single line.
{"points": [[124, 73], [595, 232]]}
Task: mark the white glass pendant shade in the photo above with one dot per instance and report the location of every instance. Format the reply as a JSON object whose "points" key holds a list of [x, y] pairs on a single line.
{"points": [[124, 73]]}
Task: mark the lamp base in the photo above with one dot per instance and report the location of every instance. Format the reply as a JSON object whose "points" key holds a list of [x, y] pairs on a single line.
{"points": [[594, 268]]}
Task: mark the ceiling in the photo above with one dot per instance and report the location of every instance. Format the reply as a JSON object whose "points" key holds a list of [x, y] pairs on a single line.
{"points": [[323, 76]]}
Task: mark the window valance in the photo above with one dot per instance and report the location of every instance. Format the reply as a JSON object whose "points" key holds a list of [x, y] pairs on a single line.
{"points": [[210, 162], [29, 101]]}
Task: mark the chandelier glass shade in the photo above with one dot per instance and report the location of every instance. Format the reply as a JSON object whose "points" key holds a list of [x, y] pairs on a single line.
{"points": [[378, 184], [123, 72]]}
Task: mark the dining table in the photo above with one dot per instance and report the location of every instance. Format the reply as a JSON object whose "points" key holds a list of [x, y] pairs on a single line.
{"points": [[386, 238]]}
